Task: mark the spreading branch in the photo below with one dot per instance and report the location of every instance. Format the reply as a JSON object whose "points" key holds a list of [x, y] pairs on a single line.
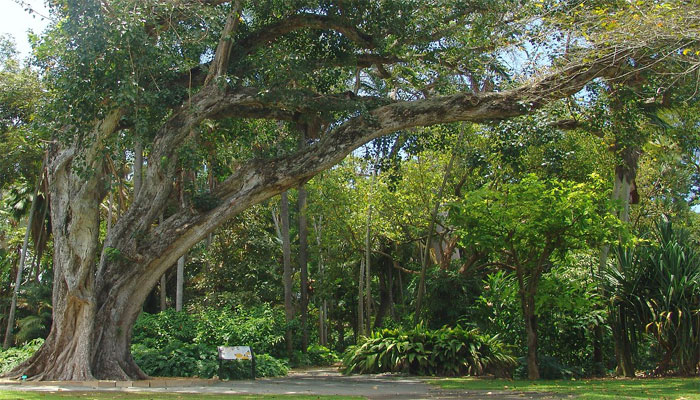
{"points": [[258, 180]]}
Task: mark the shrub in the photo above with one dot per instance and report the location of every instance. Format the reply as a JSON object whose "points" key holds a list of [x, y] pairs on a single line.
{"points": [[261, 328], [321, 356], [445, 351], [13, 356], [200, 360], [180, 344]]}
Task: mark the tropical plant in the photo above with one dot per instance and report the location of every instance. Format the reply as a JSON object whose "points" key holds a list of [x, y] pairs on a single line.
{"points": [[674, 298], [445, 351], [13, 356], [654, 289]]}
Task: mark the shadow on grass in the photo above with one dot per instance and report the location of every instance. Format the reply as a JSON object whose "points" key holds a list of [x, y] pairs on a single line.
{"points": [[593, 389]]}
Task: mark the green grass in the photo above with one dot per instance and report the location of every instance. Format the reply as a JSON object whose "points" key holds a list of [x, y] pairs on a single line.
{"points": [[588, 389], [20, 395]]}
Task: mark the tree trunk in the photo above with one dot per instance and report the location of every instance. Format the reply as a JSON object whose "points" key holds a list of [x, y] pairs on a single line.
{"points": [[303, 267], [287, 273], [20, 267], [163, 293], [93, 311], [179, 283], [527, 299], [323, 309], [360, 302], [431, 228], [623, 347], [625, 174], [386, 302]]}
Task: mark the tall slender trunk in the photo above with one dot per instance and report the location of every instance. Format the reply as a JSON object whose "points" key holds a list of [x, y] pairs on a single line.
{"points": [[386, 300], [360, 302], [323, 309], [431, 227], [623, 347], [180, 283], [180, 275], [303, 267], [368, 276], [287, 273], [163, 293], [22, 259], [625, 174], [528, 282], [533, 371]]}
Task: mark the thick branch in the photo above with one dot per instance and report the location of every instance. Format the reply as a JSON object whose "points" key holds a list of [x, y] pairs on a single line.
{"points": [[261, 179], [223, 50], [269, 33]]}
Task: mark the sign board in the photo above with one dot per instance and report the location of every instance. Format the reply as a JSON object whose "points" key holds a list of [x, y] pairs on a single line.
{"points": [[235, 353]]}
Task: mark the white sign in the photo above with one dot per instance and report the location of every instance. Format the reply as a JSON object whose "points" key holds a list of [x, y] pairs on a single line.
{"points": [[235, 353]]}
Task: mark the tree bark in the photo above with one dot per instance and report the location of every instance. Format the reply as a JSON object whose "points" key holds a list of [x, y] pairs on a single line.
{"points": [[163, 293], [528, 281], [623, 347], [368, 276], [360, 302], [625, 174], [386, 300], [527, 292], [179, 283], [323, 309], [287, 272], [533, 371], [303, 267]]}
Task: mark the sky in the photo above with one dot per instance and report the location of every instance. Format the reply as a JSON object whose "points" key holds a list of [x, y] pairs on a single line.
{"points": [[16, 21]]}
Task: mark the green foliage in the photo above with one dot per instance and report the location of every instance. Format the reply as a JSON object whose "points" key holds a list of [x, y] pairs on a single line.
{"points": [[240, 266], [176, 359], [11, 357], [445, 351], [654, 289], [200, 360], [535, 217], [261, 327], [180, 344], [316, 355], [568, 308]]}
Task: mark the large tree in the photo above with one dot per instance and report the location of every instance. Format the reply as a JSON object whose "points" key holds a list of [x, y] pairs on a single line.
{"points": [[157, 72]]}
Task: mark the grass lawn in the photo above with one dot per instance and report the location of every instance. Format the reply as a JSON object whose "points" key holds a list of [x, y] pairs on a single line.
{"points": [[593, 389], [17, 395]]}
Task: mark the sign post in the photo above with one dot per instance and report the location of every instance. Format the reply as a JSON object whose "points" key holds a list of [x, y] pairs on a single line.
{"points": [[230, 353]]}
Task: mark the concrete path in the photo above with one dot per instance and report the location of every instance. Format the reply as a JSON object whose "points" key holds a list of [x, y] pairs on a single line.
{"points": [[311, 382]]}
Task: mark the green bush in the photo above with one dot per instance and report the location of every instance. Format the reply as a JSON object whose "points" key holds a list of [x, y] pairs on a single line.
{"points": [[180, 344], [445, 351], [13, 356], [200, 360], [261, 327], [321, 356]]}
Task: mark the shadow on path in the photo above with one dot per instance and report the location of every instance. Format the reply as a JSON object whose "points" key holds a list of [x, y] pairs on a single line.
{"points": [[325, 381]]}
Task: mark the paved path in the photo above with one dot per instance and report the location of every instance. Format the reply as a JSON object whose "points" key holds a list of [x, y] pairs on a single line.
{"points": [[311, 382]]}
